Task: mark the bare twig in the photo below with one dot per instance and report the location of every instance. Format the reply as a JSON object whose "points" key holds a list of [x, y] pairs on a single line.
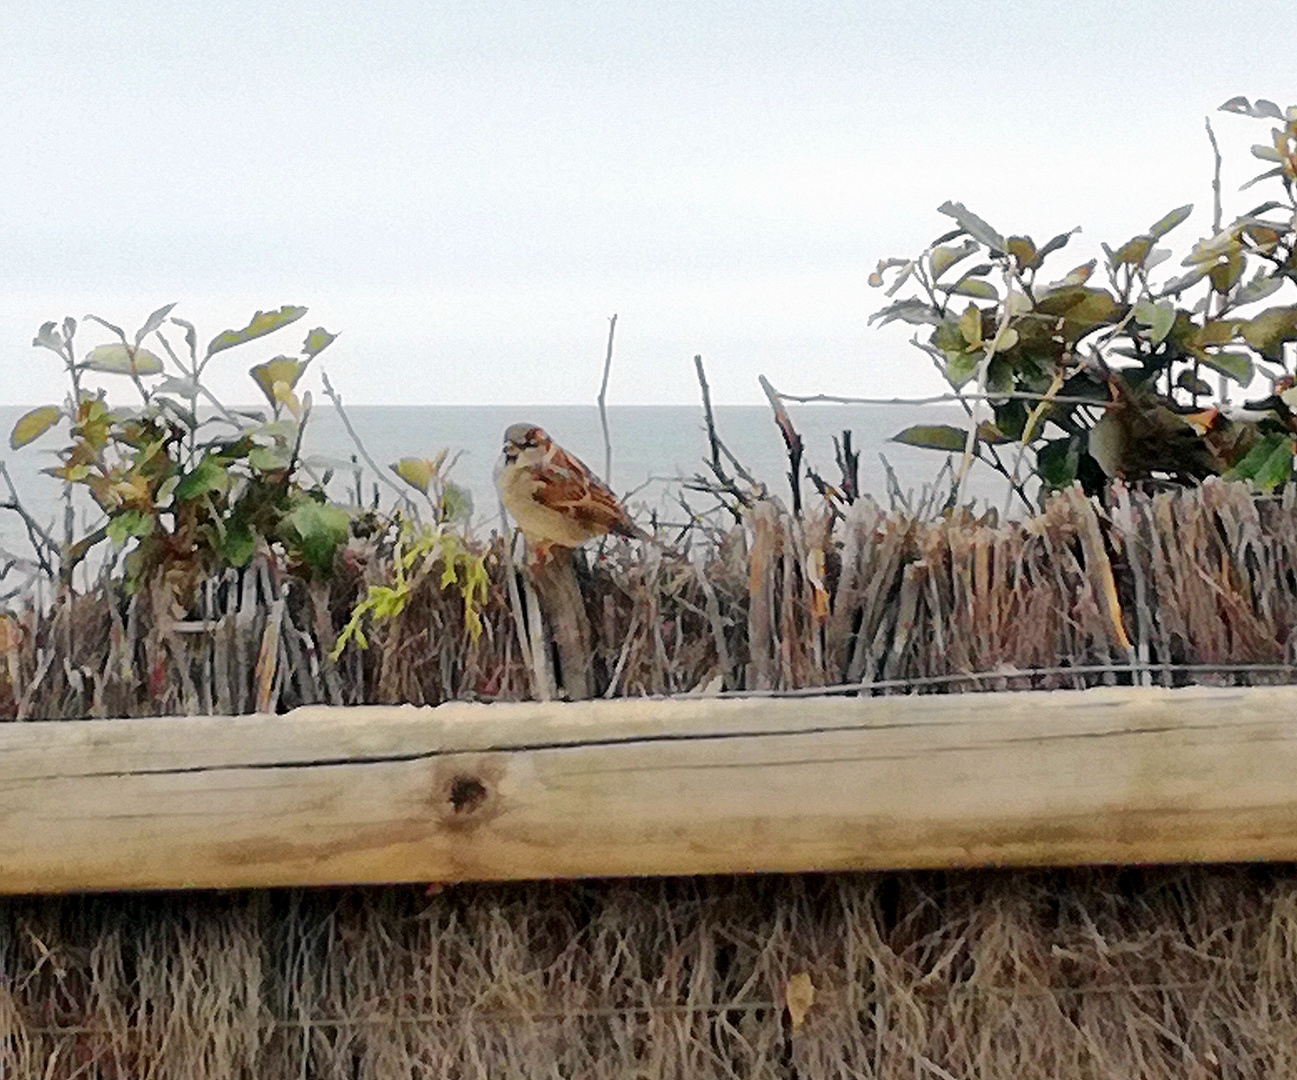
{"points": [[603, 409], [719, 450], [41, 540], [848, 464], [712, 437], [336, 398], [1215, 183], [1222, 381], [792, 442]]}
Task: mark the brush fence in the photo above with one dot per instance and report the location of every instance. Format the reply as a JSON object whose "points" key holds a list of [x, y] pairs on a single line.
{"points": [[649, 787]]}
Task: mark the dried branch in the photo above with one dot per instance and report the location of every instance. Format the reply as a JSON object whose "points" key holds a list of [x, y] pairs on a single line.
{"points": [[792, 442], [603, 409], [40, 538], [336, 398]]}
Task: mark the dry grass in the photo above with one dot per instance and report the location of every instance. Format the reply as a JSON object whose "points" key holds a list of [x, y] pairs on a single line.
{"points": [[1159, 582], [1096, 974]]}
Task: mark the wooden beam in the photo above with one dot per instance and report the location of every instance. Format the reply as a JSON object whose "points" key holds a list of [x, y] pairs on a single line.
{"points": [[491, 792]]}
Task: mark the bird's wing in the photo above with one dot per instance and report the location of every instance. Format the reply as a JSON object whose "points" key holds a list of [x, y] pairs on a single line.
{"points": [[565, 484]]}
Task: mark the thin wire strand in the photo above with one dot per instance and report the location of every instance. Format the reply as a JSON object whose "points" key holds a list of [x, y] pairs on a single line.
{"points": [[1015, 673], [936, 399]]}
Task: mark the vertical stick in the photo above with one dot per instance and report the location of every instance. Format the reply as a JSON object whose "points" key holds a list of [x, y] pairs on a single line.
{"points": [[563, 609], [603, 411]]}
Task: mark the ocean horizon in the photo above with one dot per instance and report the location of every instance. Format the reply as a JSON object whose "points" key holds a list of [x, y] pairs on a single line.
{"points": [[653, 448]]}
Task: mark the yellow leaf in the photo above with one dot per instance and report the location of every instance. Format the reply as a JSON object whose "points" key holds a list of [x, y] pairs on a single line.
{"points": [[282, 369], [1008, 339], [417, 472], [799, 996], [262, 323], [970, 325], [33, 425]]}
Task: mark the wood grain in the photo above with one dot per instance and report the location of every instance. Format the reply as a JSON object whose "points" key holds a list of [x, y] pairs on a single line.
{"points": [[520, 791]]}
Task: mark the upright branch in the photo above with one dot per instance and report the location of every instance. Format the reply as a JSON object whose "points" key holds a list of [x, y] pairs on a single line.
{"points": [[1215, 179], [42, 543], [603, 409], [336, 399], [848, 464], [792, 441], [712, 438], [725, 484]]}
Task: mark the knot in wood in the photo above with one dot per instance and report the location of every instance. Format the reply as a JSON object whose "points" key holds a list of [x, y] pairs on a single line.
{"points": [[467, 794]]}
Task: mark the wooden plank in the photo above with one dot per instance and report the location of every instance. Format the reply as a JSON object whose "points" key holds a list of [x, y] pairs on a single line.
{"points": [[491, 792]]}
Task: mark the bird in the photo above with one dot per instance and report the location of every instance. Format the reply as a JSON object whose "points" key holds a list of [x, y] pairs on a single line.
{"points": [[1143, 433], [553, 496]]}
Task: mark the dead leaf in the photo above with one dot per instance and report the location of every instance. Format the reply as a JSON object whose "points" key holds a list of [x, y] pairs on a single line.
{"points": [[799, 996]]}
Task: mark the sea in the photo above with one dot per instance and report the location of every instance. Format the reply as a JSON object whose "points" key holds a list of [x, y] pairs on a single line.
{"points": [[655, 449]]}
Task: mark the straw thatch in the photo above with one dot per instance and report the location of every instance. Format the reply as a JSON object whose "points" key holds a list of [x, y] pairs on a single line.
{"points": [[1098, 974], [1144, 590]]}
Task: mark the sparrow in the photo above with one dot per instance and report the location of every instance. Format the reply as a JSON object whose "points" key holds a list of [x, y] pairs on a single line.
{"points": [[554, 497]]}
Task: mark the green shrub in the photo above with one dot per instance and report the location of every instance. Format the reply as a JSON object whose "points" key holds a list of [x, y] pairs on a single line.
{"points": [[1095, 378]]}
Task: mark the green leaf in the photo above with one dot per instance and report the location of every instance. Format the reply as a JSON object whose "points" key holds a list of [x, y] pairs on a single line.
{"points": [[901, 278], [210, 474], [962, 366], [1216, 332], [1268, 456], [121, 527], [47, 337], [933, 437], [120, 359], [1268, 331], [1169, 221], [1057, 461], [417, 472], [1008, 339], [912, 311], [1266, 153], [262, 323], [978, 229], [1186, 381], [970, 326], [1023, 249], [1210, 250], [943, 258], [32, 425], [1237, 365], [1158, 317], [318, 529], [1267, 175], [1261, 286], [237, 543], [1132, 253], [456, 503], [1177, 285], [979, 290], [153, 322], [317, 341], [266, 459], [1057, 242]]}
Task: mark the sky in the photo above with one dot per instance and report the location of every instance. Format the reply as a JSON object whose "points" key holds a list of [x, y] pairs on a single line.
{"points": [[466, 192]]}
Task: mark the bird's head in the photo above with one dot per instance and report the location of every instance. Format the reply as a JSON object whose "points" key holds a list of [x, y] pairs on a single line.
{"points": [[520, 437]]}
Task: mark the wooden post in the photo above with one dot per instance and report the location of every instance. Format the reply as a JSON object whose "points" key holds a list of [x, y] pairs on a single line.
{"points": [[563, 608], [327, 796]]}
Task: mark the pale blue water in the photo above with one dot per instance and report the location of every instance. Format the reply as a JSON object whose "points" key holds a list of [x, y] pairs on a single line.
{"points": [[651, 445]]}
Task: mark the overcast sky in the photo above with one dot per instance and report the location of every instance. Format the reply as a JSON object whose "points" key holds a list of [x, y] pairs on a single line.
{"points": [[467, 191]]}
